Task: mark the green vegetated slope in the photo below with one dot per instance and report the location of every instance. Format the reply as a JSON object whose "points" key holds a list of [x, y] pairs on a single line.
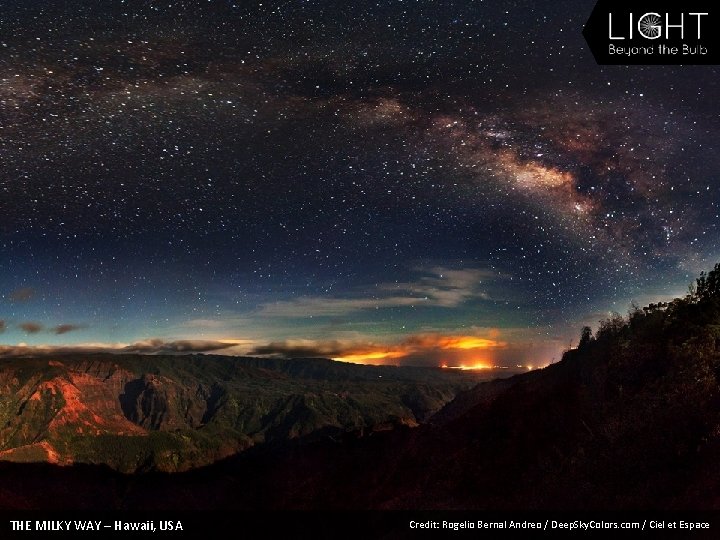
{"points": [[177, 412]]}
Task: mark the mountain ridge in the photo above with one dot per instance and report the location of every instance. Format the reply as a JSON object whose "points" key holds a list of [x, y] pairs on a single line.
{"points": [[628, 420], [137, 412]]}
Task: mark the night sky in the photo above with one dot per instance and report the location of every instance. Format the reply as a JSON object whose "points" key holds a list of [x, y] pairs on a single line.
{"points": [[413, 182]]}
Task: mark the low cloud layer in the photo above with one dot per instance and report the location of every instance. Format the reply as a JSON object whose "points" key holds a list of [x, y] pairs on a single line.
{"points": [[424, 349], [153, 346], [485, 349], [65, 328], [302, 349], [35, 327], [31, 327], [23, 294], [158, 346], [437, 287]]}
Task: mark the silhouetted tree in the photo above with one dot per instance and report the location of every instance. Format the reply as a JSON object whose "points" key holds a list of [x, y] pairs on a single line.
{"points": [[708, 285], [612, 327], [585, 337]]}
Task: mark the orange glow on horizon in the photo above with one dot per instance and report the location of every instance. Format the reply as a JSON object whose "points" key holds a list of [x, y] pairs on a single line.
{"points": [[468, 342], [473, 367], [418, 345], [368, 357]]}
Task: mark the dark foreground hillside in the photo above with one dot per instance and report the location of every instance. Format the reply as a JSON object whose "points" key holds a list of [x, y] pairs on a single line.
{"points": [[629, 420]]}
